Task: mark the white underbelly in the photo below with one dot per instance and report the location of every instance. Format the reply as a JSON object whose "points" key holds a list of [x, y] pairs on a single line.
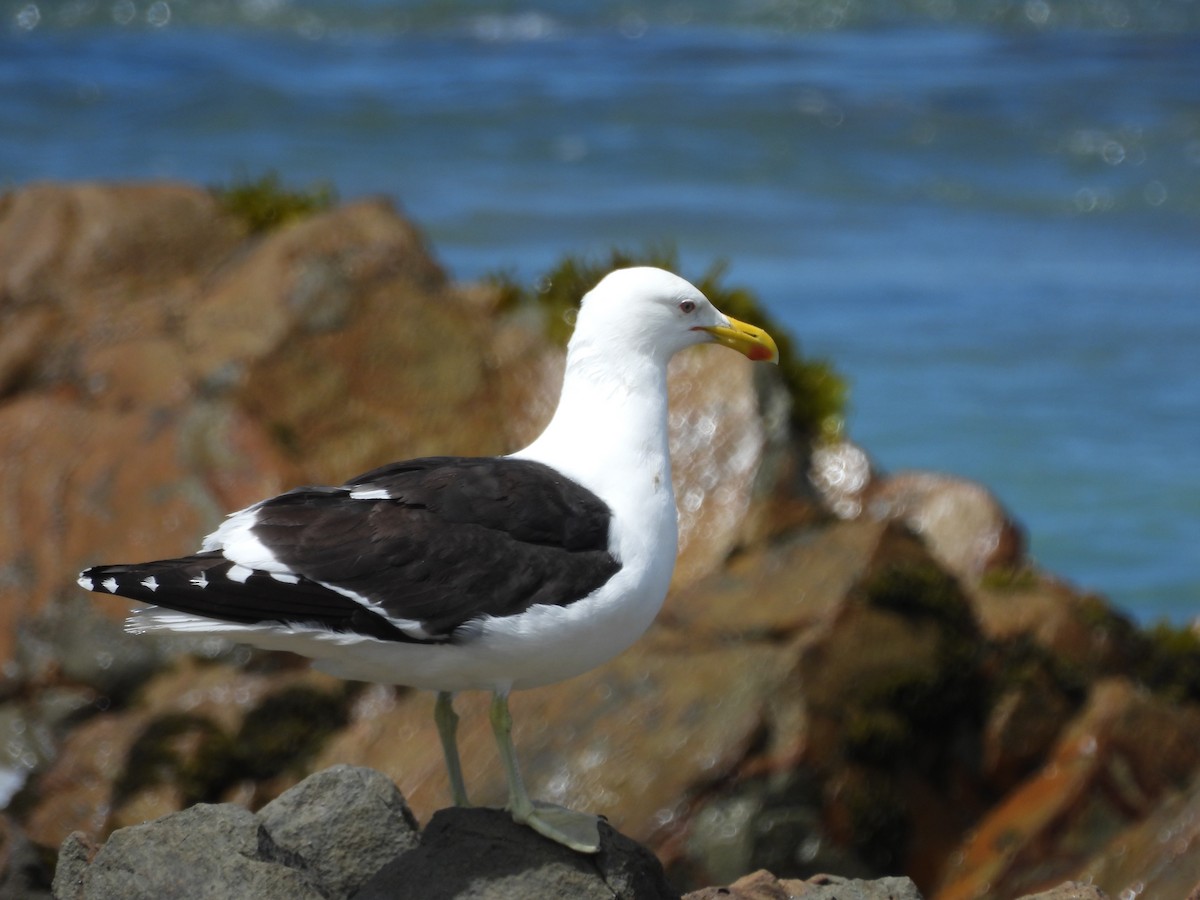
{"points": [[543, 645]]}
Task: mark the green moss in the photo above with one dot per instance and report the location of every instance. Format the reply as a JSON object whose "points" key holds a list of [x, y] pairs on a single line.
{"points": [[283, 733], [913, 705], [264, 203], [1170, 663], [818, 392], [1020, 577], [189, 751], [874, 734], [920, 590], [1024, 664], [287, 730], [880, 824]]}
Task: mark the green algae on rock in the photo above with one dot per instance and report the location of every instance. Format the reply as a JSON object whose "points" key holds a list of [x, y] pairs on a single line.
{"points": [[264, 203]]}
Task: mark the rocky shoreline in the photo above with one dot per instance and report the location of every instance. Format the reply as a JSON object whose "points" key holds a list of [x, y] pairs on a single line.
{"points": [[856, 673]]}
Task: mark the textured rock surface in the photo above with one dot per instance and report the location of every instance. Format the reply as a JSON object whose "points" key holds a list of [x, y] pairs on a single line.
{"points": [[1069, 890], [345, 822], [1124, 753], [765, 886], [346, 832], [199, 852], [323, 838], [482, 853]]}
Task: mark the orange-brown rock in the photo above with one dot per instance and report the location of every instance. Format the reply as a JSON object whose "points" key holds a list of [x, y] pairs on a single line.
{"points": [[1157, 857], [1123, 753]]}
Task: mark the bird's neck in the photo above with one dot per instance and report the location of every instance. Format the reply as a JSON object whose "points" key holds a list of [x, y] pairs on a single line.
{"points": [[609, 420], [609, 434]]}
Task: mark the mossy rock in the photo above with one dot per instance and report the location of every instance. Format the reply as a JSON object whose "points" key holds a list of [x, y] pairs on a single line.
{"points": [[287, 729], [188, 751], [921, 589], [264, 204], [1170, 665]]}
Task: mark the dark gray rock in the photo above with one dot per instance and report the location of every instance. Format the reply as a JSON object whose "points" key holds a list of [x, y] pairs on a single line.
{"points": [[346, 822], [347, 834], [205, 852], [481, 854]]}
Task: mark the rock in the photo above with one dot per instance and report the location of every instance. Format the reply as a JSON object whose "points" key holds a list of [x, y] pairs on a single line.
{"points": [[1069, 890], [763, 885], [346, 822], [482, 853], [1080, 632], [842, 475], [198, 731], [963, 523], [1024, 721], [1122, 754], [74, 856], [343, 833], [106, 238], [205, 851], [1156, 857], [71, 640]]}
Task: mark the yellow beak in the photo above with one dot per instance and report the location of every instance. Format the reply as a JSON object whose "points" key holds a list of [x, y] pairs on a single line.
{"points": [[748, 340]]}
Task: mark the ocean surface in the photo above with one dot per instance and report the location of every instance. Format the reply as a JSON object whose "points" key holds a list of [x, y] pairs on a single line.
{"points": [[986, 214]]}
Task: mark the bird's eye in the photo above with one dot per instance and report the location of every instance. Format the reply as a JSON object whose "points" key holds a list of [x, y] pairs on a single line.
{"points": [[687, 306]]}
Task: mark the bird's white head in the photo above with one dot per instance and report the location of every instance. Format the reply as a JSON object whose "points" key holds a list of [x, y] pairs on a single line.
{"points": [[653, 312]]}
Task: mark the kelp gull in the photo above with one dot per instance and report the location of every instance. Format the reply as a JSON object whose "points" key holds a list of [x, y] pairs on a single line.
{"points": [[451, 573]]}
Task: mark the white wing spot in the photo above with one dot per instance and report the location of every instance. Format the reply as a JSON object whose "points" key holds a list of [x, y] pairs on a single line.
{"points": [[151, 583], [239, 574], [85, 582], [201, 580], [286, 577], [371, 494], [110, 585]]}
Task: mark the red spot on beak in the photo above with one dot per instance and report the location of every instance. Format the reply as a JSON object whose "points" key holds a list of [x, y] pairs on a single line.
{"points": [[759, 354]]}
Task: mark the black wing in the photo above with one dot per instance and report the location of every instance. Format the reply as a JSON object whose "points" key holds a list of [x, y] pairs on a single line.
{"points": [[410, 551]]}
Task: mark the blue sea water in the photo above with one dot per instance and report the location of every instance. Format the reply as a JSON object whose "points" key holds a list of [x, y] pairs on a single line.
{"points": [[987, 214]]}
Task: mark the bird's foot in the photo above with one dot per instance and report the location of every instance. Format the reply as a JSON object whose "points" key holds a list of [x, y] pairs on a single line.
{"points": [[578, 830]]}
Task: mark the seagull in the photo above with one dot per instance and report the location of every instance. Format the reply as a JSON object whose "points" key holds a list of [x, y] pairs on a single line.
{"points": [[457, 573]]}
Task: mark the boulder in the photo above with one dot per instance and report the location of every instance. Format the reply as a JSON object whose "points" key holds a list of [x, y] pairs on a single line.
{"points": [[963, 523], [763, 885], [204, 851], [1069, 890], [345, 822], [347, 832], [1124, 753], [1155, 857], [482, 853]]}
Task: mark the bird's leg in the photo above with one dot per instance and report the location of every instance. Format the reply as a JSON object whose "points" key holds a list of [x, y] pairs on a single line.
{"points": [[447, 726], [576, 830]]}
